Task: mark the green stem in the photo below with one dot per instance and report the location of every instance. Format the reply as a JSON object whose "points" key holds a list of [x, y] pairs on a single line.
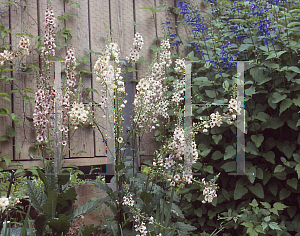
{"points": [[169, 209]]}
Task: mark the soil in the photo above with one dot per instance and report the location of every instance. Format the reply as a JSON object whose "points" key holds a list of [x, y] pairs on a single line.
{"points": [[76, 225]]}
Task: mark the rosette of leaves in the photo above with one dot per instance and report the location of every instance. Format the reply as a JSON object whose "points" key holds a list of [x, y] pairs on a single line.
{"points": [[153, 197], [55, 206]]}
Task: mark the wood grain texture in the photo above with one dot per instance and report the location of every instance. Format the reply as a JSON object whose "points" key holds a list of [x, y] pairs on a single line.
{"points": [[25, 134], [99, 12], [65, 162], [83, 139], [145, 20], [122, 25], [5, 87]]}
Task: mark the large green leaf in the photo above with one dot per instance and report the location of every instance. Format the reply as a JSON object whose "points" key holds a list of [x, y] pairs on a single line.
{"points": [[66, 197], [36, 196], [31, 151], [40, 224], [216, 155], [184, 228], [229, 166], [292, 211], [257, 139], [277, 206], [273, 187], [293, 183], [284, 193], [6, 159], [251, 177], [297, 101], [230, 152], [211, 93], [258, 190], [60, 225], [270, 157], [285, 104], [262, 116], [297, 169], [277, 97], [63, 178], [250, 91], [4, 138], [288, 150], [279, 168], [146, 197], [274, 123], [89, 230], [51, 202], [239, 191], [10, 131], [217, 138], [89, 206]]}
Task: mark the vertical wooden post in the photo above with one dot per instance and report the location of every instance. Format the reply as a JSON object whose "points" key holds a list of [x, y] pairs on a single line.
{"points": [[188, 115], [58, 116]]}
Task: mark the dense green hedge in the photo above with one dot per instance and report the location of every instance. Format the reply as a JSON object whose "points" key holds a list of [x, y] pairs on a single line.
{"points": [[272, 101]]}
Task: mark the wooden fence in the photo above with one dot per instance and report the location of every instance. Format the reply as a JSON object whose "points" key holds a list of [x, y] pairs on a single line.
{"points": [[90, 35]]}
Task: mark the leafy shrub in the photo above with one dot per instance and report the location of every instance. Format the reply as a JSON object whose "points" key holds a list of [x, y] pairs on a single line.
{"points": [[265, 33]]}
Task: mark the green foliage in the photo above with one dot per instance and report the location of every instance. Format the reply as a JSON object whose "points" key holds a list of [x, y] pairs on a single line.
{"points": [[272, 103]]}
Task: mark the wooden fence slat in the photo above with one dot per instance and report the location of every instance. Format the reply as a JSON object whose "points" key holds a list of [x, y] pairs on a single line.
{"points": [[99, 12], [146, 25], [83, 139], [5, 87], [24, 133], [122, 25]]}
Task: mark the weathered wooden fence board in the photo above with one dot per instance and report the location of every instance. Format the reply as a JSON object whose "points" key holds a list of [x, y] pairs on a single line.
{"points": [[7, 146], [83, 139], [145, 20], [99, 12], [24, 133]]}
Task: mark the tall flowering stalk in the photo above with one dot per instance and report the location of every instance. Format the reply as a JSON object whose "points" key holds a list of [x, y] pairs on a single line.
{"points": [[71, 111], [23, 49], [151, 103], [43, 117]]}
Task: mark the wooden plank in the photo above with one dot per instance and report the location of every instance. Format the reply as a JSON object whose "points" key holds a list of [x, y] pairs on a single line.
{"points": [[145, 21], [65, 163], [121, 24], [122, 17], [24, 133], [149, 29], [5, 147], [99, 12], [83, 139]]}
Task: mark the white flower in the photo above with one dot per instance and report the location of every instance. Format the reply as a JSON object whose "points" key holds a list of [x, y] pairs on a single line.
{"points": [[177, 177], [120, 139], [3, 203], [151, 220]]}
